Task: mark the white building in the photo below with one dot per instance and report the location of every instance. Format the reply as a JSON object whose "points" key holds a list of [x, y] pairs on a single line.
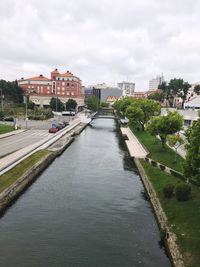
{"points": [[127, 88], [193, 104], [154, 83]]}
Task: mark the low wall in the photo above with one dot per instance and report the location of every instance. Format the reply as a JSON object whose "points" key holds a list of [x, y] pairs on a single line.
{"points": [[13, 191], [172, 247]]}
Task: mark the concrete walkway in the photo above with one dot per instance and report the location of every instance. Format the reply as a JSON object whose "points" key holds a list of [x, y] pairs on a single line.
{"points": [[8, 162], [135, 148]]}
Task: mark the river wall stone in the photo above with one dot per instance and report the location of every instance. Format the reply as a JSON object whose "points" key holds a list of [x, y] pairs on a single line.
{"points": [[13, 191], [176, 257]]}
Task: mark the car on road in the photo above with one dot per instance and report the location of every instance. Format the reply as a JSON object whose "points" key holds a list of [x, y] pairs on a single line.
{"points": [[53, 130]]}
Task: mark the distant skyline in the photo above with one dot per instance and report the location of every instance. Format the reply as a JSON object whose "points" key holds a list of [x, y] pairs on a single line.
{"points": [[101, 41]]}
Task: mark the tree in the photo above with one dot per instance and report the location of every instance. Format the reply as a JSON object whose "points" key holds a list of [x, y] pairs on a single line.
{"points": [[56, 104], [192, 162], [176, 87], [165, 125], [11, 91], [93, 103], [142, 110], [158, 96], [197, 89], [31, 105], [175, 141], [71, 104]]}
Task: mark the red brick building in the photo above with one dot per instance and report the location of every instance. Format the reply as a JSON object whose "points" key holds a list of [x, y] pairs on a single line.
{"points": [[59, 85]]}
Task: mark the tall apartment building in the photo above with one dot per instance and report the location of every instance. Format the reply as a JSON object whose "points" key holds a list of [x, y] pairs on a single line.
{"points": [[127, 88], [154, 83], [62, 85]]}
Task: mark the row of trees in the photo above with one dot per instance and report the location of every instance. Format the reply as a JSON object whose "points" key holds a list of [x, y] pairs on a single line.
{"points": [[145, 112], [57, 105], [11, 92], [175, 88]]}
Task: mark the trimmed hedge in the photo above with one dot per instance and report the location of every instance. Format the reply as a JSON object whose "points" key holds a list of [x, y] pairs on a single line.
{"points": [[153, 163], [168, 190], [177, 174], [162, 167], [183, 192]]}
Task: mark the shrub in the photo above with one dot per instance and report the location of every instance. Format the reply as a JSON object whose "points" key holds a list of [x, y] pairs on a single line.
{"points": [[162, 167], [177, 174], [183, 192], [146, 159], [168, 190], [1, 115], [153, 163]]}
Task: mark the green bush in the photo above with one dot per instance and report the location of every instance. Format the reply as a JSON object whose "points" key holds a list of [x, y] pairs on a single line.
{"points": [[1, 115], [168, 190], [183, 192], [162, 167], [153, 163], [177, 174]]}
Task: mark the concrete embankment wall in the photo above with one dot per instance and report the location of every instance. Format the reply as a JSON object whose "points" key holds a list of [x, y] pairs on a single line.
{"points": [[171, 245], [13, 191]]}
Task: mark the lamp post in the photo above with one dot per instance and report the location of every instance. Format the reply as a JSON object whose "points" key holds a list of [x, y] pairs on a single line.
{"points": [[26, 118]]}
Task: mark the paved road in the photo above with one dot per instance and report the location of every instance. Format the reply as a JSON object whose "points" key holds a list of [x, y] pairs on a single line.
{"points": [[18, 141]]}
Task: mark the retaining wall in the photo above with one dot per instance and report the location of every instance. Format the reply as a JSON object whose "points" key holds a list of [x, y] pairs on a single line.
{"points": [[172, 247]]}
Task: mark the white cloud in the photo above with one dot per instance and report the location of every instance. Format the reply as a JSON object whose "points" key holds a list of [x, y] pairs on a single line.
{"points": [[101, 41]]}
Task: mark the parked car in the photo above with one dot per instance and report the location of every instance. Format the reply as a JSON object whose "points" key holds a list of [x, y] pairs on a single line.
{"points": [[53, 130], [8, 119], [61, 125], [66, 123]]}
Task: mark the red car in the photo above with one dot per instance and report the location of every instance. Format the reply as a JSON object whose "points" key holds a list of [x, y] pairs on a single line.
{"points": [[53, 130]]}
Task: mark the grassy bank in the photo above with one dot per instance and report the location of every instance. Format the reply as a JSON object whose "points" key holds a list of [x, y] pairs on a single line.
{"points": [[184, 217], [157, 153], [6, 128], [11, 176]]}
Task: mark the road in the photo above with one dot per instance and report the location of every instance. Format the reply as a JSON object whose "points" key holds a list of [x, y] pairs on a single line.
{"points": [[18, 141]]}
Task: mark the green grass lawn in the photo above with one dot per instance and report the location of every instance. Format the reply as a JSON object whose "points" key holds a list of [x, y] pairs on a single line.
{"points": [[157, 153], [11, 176], [6, 128], [183, 216]]}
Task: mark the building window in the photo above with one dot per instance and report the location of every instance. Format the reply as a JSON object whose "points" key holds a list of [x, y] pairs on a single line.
{"points": [[63, 79], [67, 93], [67, 84], [72, 93], [58, 93], [63, 83], [58, 79], [58, 88], [63, 88], [63, 93]]}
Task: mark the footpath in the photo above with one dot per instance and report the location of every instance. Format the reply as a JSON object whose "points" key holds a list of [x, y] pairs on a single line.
{"points": [[8, 162], [134, 146]]}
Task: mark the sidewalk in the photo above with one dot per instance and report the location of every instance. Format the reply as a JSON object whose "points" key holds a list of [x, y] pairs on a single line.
{"points": [[135, 148], [8, 162]]}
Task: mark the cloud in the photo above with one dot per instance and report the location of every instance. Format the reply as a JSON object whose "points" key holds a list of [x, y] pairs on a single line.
{"points": [[101, 41]]}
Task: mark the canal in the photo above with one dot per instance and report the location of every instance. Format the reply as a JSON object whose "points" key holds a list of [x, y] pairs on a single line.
{"points": [[88, 209]]}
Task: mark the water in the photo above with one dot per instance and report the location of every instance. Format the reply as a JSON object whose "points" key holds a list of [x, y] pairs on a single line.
{"points": [[86, 210]]}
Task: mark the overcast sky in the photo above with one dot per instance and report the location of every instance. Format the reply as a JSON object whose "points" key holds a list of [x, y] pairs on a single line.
{"points": [[101, 40]]}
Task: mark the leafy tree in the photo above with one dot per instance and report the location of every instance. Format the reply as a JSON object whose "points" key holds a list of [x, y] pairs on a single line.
{"points": [[158, 96], [183, 192], [176, 87], [31, 105], [175, 141], [93, 103], [165, 125], [11, 91], [71, 104], [192, 163], [197, 89], [104, 105], [56, 104], [127, 101], [142, 110]]}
